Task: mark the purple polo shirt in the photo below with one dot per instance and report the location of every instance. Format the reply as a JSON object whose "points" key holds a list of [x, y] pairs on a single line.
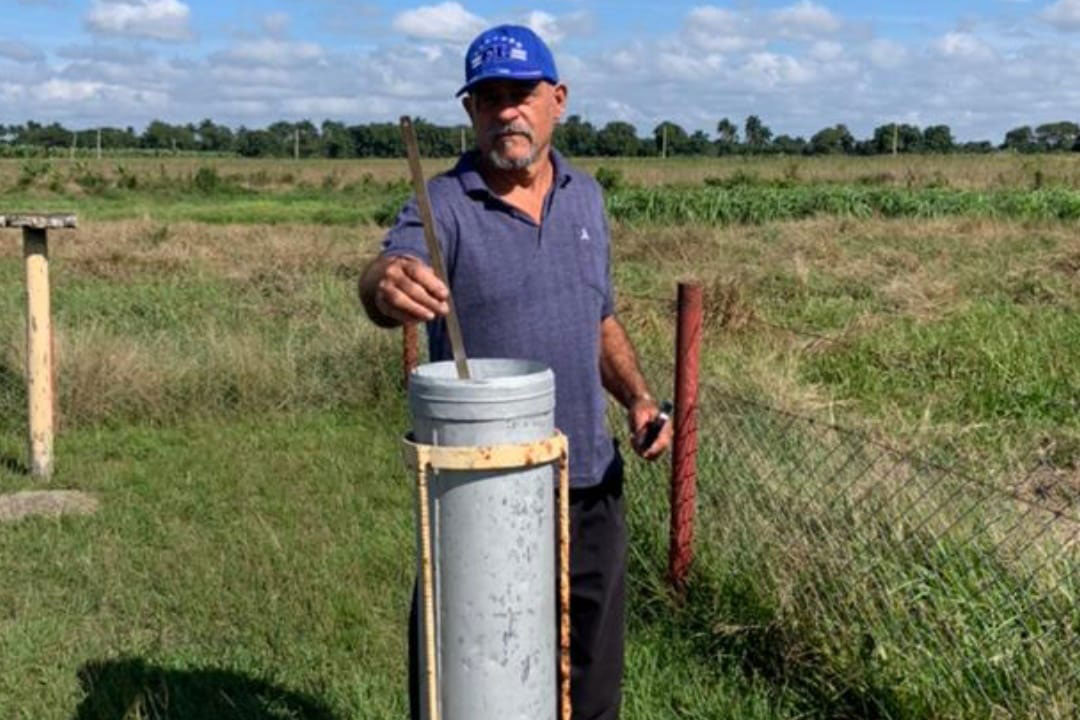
{"points": [[527, 291]]}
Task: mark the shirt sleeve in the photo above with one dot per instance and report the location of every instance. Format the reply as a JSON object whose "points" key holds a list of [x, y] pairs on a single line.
{"points": [[406, 237]]}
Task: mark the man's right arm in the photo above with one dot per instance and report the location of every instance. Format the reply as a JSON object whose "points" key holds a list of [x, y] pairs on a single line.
{"points": [[396, 289]]}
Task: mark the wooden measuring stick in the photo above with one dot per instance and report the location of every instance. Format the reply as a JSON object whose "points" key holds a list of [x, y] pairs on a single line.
{"points": [[564, 583], [423, 203], [427, 592]]}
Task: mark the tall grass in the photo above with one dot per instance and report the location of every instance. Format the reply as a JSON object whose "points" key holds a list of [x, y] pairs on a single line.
{"points": [[760, 204]]}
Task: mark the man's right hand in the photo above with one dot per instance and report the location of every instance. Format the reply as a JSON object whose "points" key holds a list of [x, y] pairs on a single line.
{"points": [[403, 289]]}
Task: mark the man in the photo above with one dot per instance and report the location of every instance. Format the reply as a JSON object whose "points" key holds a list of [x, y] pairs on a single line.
{"points": [[526, 248]]}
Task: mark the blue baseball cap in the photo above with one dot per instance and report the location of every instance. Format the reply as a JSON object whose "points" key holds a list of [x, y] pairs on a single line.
{"points": [[511, 52]]}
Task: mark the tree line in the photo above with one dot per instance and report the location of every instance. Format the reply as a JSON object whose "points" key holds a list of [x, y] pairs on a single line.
{"points": [[574, 136]]}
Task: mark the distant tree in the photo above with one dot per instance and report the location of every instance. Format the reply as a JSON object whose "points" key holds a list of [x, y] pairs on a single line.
{"points": [[699, 144], [1057, 136], [757, 135], [727, 140], [678, 142], [976, 147], [938, 139], [212, 137], [832, 140], [336, 140], [158, 135], [908, 138], [1021, 139], [257, 143], [575, 137], [789, 145], [617, 139]]}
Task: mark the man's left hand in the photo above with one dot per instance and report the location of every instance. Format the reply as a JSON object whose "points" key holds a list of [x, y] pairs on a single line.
{"points": [[640, 413]]}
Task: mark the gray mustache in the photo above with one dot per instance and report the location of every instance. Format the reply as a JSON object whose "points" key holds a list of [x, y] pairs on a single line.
{"points": [[517, 128]]}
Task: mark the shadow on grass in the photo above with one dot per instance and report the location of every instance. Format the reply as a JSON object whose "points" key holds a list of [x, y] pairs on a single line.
{"points": [[130, 688], [13, 465], [12, 398]]}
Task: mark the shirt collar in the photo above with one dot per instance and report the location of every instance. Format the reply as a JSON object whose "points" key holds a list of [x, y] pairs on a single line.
{"points": [[472, 181]]}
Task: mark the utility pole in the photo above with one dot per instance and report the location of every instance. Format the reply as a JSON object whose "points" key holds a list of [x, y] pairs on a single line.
{"points": [[895, 138], [296, 144], [663, 143], [99, 143], [462, 139]]}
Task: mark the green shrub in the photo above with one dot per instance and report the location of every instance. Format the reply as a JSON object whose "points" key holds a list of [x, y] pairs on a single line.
{"points": [[609, 178]]}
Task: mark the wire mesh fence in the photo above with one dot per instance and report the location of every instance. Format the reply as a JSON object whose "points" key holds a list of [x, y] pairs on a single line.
{"points": [[882, 582], [955, 590]]}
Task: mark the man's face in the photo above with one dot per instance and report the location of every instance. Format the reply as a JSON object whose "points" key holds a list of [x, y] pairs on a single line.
{"points": [[514, 120]]}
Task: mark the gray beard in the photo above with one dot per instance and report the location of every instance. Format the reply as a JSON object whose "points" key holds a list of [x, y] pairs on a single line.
{"points": [[511, 163]]}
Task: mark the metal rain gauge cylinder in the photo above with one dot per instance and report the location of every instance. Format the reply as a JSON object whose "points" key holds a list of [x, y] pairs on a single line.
{"points": [[492, 540]]}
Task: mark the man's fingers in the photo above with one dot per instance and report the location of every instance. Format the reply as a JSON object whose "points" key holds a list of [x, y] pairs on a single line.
{"points": [[409, 291], [399, 305], [424, 276]]}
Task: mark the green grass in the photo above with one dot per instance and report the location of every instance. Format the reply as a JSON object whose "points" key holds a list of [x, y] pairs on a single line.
{"points": [[207, 196], [257, 568], [994, 361], [253, 553]]}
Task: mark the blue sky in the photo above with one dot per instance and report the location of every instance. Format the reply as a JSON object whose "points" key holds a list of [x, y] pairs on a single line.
{"points": [[980, 67]]}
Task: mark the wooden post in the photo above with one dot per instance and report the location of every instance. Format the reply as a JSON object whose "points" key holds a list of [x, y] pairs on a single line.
{"points": [[40, 370], [99, 143]]}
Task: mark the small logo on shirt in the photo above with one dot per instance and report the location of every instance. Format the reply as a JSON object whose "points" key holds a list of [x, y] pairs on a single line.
{"points": [[584, 235]]}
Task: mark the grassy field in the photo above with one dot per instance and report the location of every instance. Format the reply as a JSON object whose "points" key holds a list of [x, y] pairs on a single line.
{"points": [[222, 396]]}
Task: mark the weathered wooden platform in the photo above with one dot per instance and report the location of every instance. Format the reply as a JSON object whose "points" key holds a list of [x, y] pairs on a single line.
{"points": [[37, 221]]}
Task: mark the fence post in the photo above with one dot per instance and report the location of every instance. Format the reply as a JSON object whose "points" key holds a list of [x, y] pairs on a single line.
{"points": [[409, 351], [684, 452], [40, 363]]}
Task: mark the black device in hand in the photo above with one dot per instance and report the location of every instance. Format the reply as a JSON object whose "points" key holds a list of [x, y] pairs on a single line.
{"points": [[653, 428]]}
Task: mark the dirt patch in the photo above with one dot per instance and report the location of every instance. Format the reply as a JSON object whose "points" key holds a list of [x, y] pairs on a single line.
{"points": [[46, 503]]}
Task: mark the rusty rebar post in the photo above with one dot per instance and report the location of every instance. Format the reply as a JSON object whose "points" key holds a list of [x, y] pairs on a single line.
{"points": [[409, 351], [684, 452], [40, 363]]}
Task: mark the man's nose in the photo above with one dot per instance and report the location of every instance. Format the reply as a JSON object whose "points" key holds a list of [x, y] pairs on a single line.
{"points": [[506, 111]]}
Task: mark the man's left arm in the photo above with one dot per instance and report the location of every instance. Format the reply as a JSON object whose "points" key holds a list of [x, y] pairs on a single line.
{"points": [[622, 377]]}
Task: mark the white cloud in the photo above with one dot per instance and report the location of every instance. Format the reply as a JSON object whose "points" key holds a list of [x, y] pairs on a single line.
{"points": [[104, 53], [805, 18], [324, 107], [964, 46], [1063, 14], [155, 19], [721, 30], [20, 52], [276, 23], [886, 53], [272, 52], [769, 69], [826, 51], [446, 21], [546, 26]]}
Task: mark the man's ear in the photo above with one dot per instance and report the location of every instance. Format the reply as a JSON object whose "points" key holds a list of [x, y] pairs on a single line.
{"points": [[561, 94], [466, 102]]}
